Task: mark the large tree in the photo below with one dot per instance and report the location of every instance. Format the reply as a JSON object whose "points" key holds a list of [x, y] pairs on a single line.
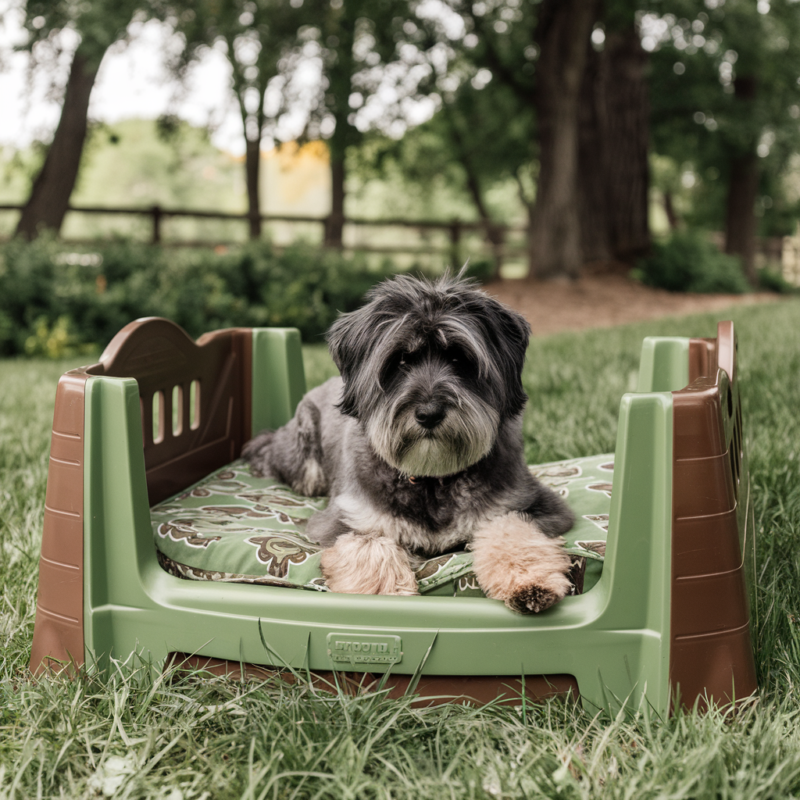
{"points": [[563, 32], [613, 149], [98, 25], [588, 101]]}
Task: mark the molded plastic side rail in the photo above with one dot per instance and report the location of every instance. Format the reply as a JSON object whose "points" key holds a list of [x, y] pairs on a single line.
{"points": [[279, 381], [664, 364], [614, 639]]}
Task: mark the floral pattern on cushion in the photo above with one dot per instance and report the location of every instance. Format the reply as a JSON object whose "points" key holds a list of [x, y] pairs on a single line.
{"points": [[236, 527]]}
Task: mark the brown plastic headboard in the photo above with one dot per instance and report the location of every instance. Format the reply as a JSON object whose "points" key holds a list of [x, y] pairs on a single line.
{"points": [[210, 382], [710, 649], [160, 356]]}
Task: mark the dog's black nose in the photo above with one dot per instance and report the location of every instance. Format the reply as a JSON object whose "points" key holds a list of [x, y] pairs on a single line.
{"points": [[430, 415]]}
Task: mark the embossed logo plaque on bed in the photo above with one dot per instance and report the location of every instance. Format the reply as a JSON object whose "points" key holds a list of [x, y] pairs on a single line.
{"points": [[353, 649]]}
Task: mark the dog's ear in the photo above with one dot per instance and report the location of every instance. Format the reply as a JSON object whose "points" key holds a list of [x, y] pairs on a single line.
{"points": [[350, 340], [509, 334]]}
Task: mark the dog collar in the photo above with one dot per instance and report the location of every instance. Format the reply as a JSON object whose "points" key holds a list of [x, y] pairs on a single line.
{"points": [[418, 480]]}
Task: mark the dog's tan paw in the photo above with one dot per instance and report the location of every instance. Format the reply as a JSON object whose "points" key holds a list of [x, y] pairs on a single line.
{"points": [[368, 564], [516, 563], [533, 599]]}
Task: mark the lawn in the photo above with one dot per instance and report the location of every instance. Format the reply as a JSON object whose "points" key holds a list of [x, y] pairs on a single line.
{"points": [[125, 734]]}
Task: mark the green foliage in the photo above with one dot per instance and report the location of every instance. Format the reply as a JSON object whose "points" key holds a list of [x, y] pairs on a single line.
{"points": [[689, 262], [723, 86], [98, 24], [482, 270], [56, 341], [262, 40], [771, 279], [479, 145], [481, 141], [54, 302]]}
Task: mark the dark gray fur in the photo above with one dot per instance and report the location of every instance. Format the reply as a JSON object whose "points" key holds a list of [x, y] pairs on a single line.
{"points": [[416, 350]]}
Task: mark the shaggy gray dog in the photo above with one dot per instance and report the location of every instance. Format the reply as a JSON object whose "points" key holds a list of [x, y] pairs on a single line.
{"points": [[419, 446]]}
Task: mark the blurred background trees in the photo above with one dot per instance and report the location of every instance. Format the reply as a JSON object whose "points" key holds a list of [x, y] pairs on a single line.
{"points": [[592, 123], [97, 26], [263, 42], [725, 97]]}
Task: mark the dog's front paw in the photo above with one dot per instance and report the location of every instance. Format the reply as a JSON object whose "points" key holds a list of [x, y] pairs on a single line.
{"points": [[516, 563], [368, 564], [535, 598]]}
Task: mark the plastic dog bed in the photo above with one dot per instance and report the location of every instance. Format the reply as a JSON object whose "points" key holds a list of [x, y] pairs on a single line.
{"points": [[146, 442]]}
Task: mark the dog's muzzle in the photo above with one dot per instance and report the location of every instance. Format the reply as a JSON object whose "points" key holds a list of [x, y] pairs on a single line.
{"points": [[430, 415], [433, 436]]}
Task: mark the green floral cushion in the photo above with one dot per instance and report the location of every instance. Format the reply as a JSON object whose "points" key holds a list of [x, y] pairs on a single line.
{"points": [[233, 526]]}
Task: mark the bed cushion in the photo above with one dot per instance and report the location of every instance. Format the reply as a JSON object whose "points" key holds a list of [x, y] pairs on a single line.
{"points": [[236, 527]]}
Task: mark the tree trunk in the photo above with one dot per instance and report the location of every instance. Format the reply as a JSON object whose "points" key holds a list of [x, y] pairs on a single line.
{"points": [[740, 217], [562, 32], [740, 214], [252, 173], [340, 85], [613, 154], [493, 233], [52, 188], [669, 210], [628, 138], [334, 227], [530, 243], [592, 160]]}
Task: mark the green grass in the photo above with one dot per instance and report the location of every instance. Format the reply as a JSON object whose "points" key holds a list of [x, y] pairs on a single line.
{"points": [[126, 735]]}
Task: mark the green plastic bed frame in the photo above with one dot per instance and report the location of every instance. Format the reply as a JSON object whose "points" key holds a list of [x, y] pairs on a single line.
{"points": [[668, 622]]}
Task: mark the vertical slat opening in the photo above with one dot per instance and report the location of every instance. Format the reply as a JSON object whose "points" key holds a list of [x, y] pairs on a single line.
{"points": [[158, 417], [177, 410], [194, 405]]}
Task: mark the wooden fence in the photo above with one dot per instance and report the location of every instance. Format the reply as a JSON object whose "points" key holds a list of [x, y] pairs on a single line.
{"points": [[496, 244], [502, 243]]}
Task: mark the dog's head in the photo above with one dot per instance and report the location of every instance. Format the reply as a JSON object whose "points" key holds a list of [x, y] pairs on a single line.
{"points": [[431, 369]]}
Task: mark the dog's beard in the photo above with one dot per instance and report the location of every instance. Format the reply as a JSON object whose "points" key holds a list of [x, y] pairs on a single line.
{"points": [[463, 438]]}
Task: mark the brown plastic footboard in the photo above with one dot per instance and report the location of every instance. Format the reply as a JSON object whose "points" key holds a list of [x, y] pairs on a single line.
{"points": [[184, 445], [711, 654]]}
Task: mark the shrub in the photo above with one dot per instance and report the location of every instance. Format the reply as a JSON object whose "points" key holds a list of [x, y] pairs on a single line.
{"points": [[771, 279], [54, 300], [58, 341], [689, 262]]}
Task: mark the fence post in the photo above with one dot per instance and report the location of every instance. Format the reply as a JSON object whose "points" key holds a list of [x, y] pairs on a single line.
{"points": [[497, 240], [155, 212], [455, 244]]}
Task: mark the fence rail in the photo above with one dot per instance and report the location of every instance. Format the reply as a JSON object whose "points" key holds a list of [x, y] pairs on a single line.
{"points": [[783, 251], [455, 229]]}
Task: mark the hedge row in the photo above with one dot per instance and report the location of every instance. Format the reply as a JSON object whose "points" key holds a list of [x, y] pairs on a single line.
{"points": [[54, 300]]}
